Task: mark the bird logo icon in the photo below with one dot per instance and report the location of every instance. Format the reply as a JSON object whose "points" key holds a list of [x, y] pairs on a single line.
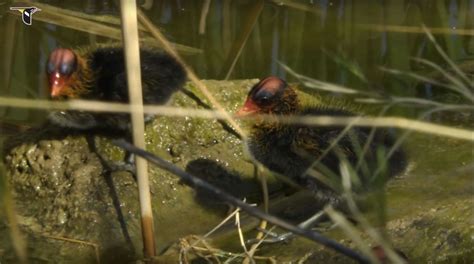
{"points": [[26, 13]]}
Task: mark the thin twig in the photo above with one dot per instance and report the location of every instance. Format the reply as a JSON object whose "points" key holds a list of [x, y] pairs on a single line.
{"points": [[77, 241], [230, 216], [241, 235]]}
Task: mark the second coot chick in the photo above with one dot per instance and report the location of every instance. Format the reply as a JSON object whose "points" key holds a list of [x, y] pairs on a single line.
{"points": [[290, 149], [99, 74]]}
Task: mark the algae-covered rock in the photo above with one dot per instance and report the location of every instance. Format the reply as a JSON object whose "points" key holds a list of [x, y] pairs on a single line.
{"points": [[63, 192]]}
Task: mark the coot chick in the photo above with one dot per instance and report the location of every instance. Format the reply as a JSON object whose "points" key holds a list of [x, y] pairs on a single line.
{"points": [[291, 149], [99, 74]]}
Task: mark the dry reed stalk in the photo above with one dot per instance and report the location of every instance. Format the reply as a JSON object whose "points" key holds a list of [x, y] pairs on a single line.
{"points": [[397, 122], [132, 58]]}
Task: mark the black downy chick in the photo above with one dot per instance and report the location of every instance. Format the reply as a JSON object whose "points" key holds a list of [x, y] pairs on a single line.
{"points": [[99, 74], [291, 149]]}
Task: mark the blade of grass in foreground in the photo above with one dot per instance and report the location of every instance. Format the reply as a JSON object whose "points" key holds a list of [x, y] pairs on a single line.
{"points": [[6, 201], [316, 84], [371, 231], [95, 106], [443, 54], [458, 85]]}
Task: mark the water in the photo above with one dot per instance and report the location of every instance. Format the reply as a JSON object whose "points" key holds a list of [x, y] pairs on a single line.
{"points": [[343, 42]]}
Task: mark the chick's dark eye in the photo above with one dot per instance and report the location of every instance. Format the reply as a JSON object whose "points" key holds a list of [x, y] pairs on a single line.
{"points": [[263, 96], [50, 67], [66, 68]]}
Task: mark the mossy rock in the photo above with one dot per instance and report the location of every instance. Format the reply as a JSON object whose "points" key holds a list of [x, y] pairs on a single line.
{"points": [[62, 190]]}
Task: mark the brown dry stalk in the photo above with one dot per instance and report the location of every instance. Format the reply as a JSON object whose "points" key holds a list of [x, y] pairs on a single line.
{"points": [[132, 58]]}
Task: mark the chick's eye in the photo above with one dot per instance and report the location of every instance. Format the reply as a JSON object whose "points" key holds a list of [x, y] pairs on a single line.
{"points": [[263, 96], [66, 68], [50, 67]]}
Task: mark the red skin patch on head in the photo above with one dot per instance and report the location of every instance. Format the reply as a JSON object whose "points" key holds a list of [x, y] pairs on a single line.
{"points": [[271, 84], [58, 81]]}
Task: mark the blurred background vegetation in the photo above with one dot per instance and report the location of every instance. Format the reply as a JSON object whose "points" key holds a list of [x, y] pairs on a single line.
{"points": [[339, 41]]}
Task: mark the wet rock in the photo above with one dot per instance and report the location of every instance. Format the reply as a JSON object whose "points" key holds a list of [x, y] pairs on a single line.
{"points": [[61, 188]]}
